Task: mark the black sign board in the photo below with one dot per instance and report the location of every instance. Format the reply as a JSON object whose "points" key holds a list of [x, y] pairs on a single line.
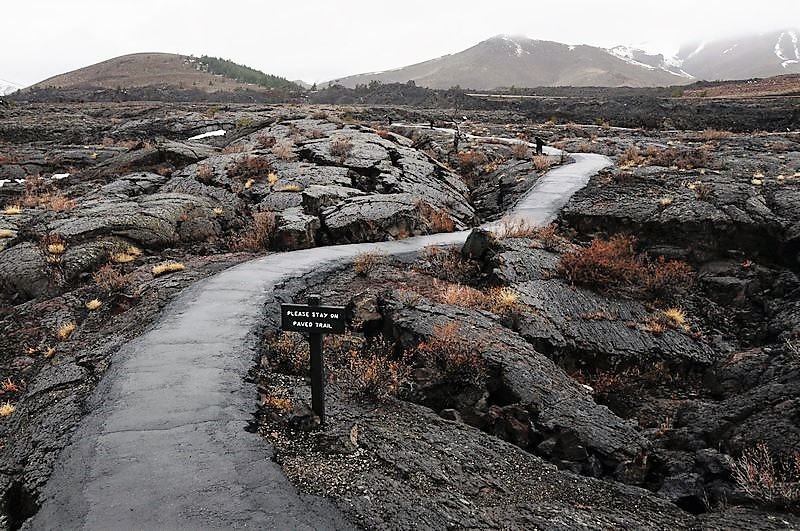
{"points": [[313, 319]]}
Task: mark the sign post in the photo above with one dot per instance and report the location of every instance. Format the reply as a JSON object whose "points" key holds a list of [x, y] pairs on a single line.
{"points": [[315, 320]]}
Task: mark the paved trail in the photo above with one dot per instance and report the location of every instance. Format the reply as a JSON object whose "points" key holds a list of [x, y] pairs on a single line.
{"points": [[164, 444]]}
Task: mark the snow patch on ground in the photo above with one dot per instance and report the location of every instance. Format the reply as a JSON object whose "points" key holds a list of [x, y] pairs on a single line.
{"points": [[732, 48], [516, 47], [218, 132], [786, 61]]}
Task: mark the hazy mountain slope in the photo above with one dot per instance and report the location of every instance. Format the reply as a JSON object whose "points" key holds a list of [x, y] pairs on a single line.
{"points": [[505, 61], [147, 70], [762, 55]]}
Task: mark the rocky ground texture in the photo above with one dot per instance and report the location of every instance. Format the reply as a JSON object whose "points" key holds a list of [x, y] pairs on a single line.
{"points": [[675, 386], [486, 387]]}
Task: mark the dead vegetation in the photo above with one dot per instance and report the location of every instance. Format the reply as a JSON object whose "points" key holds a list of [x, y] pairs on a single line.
{"points": [[612, 265]]}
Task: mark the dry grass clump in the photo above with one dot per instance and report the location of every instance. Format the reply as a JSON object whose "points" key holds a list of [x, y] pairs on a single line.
{"points": [[290, 188], [277, 404], [340, 147], [683, 159], [715, 134], [502, 300], [284, 150], [122, 257], [665, 201], [461, 295], [470, 162], [376, 374], [12, 210], [7, 409], [166, 268], [93, 304], [613, 266], [520, 150], [542, 162], [767, 479], [511, 227], [383, 133], [288, 353], [446, 263], [272, 178], [265, 141], [65, 330], [631, 157], [109, 279], [6, 233], [205, 172], [56, 248], [250, 167], [457, 357], [366, 262], [257, 235], [438, 220], [676, 318], [9, 386]]}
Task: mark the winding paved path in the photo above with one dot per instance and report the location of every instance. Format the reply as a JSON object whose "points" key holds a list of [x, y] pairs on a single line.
{"points": [[164, 445]]}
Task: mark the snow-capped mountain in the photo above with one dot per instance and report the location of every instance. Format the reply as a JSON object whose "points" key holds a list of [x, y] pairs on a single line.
{"points": [[7, 87], [505, 61], [762, 55], [640, 55]]}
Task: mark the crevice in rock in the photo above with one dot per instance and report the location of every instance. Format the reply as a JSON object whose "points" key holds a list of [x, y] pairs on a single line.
{"points": [[20, 504]]}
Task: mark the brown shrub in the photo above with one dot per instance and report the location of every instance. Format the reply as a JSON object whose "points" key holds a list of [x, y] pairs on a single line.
{"points": [[366, 262], [204, 173], [631, 157], [288, 353], [438, 220], [446, 264], [284, 150], [257, 235], [612, 265], [111, 280], [249, 166], [520, 150], [542, 162], [340, 147], [456, 355], [461, 295], [377, 375], [684, 159], [470, 162], [265, 141], [714, 134], [769, 480]]}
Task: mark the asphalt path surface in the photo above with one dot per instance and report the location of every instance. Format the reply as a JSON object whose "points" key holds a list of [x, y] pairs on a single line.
{"points": [[164, 444]]}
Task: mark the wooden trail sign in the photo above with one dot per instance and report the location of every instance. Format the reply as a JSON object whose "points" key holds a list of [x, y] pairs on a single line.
{"points": [[315, 320]]}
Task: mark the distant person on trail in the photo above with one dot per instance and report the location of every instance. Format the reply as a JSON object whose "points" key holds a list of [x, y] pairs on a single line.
{"points": [[539, 145]]}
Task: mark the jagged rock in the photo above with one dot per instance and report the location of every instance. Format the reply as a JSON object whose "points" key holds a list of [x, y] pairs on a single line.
{"points": [[295, 230], [84, 257], [23, 272], [596, 330], [478, 244], [155, 220], [131, 185], [685, 491], [372, 218], [316, 198], [558, 406]]}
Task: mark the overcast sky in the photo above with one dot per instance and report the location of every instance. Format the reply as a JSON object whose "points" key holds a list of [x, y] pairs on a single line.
{"points": [[319, 40]]}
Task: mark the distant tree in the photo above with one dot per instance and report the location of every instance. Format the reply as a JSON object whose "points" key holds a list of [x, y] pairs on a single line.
{"points": [[245, 74]]}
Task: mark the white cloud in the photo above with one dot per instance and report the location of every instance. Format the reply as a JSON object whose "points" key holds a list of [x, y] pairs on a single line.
{"points": [[317, 40]]}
